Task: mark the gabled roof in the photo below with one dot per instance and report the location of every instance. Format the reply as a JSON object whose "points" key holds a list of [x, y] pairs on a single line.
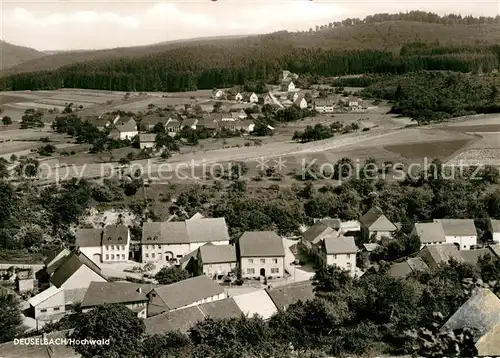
{"points": [[481, 311], [495, 225], [67, 268], [403, 269], [188, 291], [197, 216], [111, 234], [261, 244], [434, 255], [375, 220], [430, 232], [299, 99], [88, 237], [99, 293], [53, 255], [211, 254], [370, 247], [153, 119], [472, 256], [339, 245], [458, 227], [126, 124], [334, 223], [316, 230], [284, 296], [226, 308], [188, 122], [181, 320], [257, 302], [44, 295], [147, 137]]}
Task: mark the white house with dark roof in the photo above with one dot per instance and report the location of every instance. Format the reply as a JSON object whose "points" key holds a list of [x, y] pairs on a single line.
{"points": [[185, 293], [461, 232], [124, 128], [340, 251], [300, 101], [251, 97], [216, 261], [262, 254], [147, 140], [163, 242], [430, 233], [131, 295], [494, 227], [374, 224], [107, 245], [323, 106], [74, 274]]}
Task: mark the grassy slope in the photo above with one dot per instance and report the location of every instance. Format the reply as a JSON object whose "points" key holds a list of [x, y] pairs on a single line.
{"points": [[384, 36], [12, 55]]}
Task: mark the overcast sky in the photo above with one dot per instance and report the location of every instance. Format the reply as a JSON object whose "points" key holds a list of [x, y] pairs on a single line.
{"points": [[92, 24]]}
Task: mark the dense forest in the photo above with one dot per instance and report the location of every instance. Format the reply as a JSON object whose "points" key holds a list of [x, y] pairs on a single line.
{"points": [[433, 96], [380, 44]]}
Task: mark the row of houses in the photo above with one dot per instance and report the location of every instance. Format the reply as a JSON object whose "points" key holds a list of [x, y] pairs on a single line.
{"points": [[480, 312]]}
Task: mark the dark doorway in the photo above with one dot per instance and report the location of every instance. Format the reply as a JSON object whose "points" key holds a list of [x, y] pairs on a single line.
{"points": [[263, 272]]}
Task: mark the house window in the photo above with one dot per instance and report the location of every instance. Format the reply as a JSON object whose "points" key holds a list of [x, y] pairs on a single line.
{"points": [[43, 310], [250, 261], [154, 247], [275, 270], [146, 255], [250, 271], [56, 308], [179, 256], [112, 257], [153, 255], [334, 257], [348, 256], [113, 247], [107, 256], [262, 261], [275, 261], [123, 256], [159, 247], [107, 248], [348, 265]]}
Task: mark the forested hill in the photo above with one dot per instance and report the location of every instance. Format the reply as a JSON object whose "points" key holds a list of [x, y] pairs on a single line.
{"points": [[357, 46], [11, 55]]}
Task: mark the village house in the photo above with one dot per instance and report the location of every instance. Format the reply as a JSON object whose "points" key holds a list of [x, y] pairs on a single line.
{"points": [[284, 296], [173, 126], [131, 295], [287, 85], [147, 140], [494, 227], [52, 261], [74, 274], [339, 251], [406, 267], [185, 293], [256, 303], [323, 106], [238, 97], [314, 234], [429, 233], [374, 224], [47, 303], [216, 261], [124, 128], [150, 121], [287, 75], [461, 232], [107, 245], [48, 346], [218, 94], [251, 97], [190, 123], [271, 100], [261, 255], [208, 124], [165, 242], [185, 318], [481, 313], [300, 101]]}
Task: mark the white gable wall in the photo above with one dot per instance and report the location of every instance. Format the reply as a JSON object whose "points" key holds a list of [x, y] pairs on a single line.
{"points": [[465, 242], [82, 278]]}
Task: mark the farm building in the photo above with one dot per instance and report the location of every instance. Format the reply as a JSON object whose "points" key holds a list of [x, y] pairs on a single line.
{"points": [[124, 128], [147, 140]]}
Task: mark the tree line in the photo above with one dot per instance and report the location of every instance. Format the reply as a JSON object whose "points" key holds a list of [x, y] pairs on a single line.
{"points": [[208, 66]]}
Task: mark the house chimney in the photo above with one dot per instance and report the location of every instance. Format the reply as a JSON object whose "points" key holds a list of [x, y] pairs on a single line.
{"points": [[139, 290]]}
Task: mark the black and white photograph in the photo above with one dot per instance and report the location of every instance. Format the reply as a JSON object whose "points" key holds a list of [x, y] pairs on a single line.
{"points": [[249, 179]]}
